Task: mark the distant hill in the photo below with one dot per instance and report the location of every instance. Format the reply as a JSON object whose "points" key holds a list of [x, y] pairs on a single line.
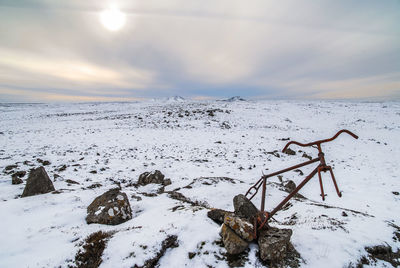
{"points": [[175, 99], [235, 98]]}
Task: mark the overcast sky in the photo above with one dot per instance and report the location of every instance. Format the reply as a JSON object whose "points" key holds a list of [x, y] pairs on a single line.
{"points": [[53, 50]]}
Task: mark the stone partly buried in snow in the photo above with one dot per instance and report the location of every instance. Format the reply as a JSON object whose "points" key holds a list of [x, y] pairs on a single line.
{"points": [[233, 243], [244, 208], [274, 243], [218, 215], [151, 177], [38, 182], [110, 208], [241, 227]]}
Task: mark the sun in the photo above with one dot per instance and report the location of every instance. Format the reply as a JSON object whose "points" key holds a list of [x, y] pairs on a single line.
{"points": [[112, 19]]}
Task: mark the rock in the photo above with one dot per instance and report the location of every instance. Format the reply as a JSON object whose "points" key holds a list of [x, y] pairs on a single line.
{"points": [[241, 227], [16, 177], [153, 177], [274, 244], [71, 181], [16, 180], [290, 186], [167, 182], [244, 208], [233, 243], [10, 167], [43, 162], [290, 151], [218, 215], [94, 185], [38, 182], [306, 156], [62, 168], [110, 208]]}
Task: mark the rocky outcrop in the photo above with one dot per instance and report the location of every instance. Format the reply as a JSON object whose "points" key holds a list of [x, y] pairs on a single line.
{"points": [[241, 227], [244, 208], [233, 243], [110, 208], [38, 182], [238, 232], [274, 244], [151, 177]]}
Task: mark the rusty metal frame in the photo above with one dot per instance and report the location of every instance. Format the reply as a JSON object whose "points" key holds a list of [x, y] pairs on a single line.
{"points": [[261, 219]]}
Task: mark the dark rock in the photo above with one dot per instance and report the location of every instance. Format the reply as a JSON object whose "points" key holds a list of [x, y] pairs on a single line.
{"points": [[274, 244], [19, 174], [244, 208], [299, 171], [167, 182], [233, 243], [43, 162], [395, 193], [27, 163], [344, 214], [191, 255], [290, 151], [16, 180], [16, 177], [306, 156], [94, 185], [10, 167], [153, 177], [38, 182], [218, 215], [62, 168], [290, 186], [71, 182], [138, 198], [241, 227], [110, 208]]}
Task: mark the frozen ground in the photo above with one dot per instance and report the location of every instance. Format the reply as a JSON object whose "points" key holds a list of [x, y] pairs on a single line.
{"points": [[109, 143]]}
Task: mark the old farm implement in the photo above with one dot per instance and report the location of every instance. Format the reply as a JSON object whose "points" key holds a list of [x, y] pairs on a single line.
{"points": [[263, 216]]}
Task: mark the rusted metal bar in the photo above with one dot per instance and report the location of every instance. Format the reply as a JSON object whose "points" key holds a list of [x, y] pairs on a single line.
{"points": [[264, 187], [284, 201], [293, 167], [320, 141], [258, 184], [334, 182], [320, 183]]}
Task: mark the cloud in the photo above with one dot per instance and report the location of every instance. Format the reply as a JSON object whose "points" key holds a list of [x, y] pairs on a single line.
{"points": [[288, 49]]}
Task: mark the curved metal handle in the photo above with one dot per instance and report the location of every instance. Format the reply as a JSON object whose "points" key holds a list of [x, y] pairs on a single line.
{"points": [[320, 141]]}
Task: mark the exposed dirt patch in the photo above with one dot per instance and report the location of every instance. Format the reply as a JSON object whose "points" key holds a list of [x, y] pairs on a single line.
{"points": [[180, 197], [375, 253], [170, 242], [90, 254]]}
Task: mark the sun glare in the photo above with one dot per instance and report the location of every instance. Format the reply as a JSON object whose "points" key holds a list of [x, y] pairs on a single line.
{"points": [[112, 19]]}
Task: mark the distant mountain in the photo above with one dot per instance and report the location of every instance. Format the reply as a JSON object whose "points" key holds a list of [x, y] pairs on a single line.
{"points": [[175, 99], [235, 98]]}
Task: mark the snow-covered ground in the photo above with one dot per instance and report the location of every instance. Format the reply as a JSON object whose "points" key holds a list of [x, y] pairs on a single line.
{"points": [[193, 143]]}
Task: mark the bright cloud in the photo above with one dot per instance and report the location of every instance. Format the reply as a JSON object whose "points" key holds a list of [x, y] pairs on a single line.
{"points": [[291, 49]]}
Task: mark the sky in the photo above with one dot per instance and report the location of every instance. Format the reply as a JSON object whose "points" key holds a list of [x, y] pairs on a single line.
{"points": [[53, 50]]}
